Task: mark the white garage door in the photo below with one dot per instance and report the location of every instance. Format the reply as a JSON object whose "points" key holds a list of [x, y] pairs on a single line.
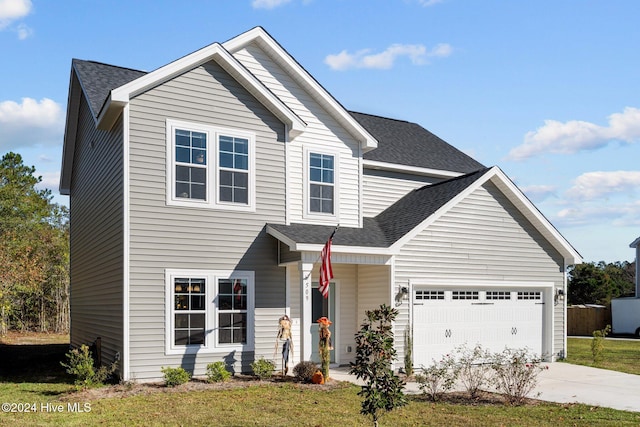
{"points": [[495, 318]]}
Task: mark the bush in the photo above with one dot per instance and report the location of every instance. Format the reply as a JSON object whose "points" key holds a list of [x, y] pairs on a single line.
{"points": [[82, 366], [408, 352], [383, 389], [516, 373], [438, 378], [263, 369], [217, 372], [175, 376], [597, 343], [304, 370], [473, 368]]}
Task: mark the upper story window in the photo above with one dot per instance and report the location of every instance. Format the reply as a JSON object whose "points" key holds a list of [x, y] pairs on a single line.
{"points": [[321, 183], [210, 167]]}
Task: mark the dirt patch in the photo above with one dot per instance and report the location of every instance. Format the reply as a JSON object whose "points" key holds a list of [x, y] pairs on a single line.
{"points": [[33, 338]]}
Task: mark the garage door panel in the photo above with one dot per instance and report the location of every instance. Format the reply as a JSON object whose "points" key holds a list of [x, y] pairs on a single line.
{"points": [[495, 319]]}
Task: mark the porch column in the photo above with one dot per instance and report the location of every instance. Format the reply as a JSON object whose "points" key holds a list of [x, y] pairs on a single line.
{"points": [[305, 310]]}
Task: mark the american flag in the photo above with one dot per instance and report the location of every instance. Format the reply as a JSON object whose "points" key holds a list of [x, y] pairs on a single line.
{"points": [[326, 272]]}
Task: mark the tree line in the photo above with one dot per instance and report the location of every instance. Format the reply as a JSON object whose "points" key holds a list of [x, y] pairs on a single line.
{"points": [[34, 252], [591, 283]]}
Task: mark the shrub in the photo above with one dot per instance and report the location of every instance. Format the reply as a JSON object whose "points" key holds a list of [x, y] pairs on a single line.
{"points": [[82, 366], [597, 343], [515, 373], [304, 370], [438, 378], [408, 352], [217, 372], [175, 376], [375, 352], [263, 369], [473, 367]]}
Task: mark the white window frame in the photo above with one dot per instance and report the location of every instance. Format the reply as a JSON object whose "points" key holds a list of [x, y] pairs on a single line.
{"points": [[212, 165], [211, 344], [320, 216]]}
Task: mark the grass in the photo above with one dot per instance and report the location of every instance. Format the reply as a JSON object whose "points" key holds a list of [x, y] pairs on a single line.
{"points": [[37, 378], [618, 355]]}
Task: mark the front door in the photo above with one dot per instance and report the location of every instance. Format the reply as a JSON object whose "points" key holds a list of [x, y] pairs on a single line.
{"points": [[321, 306]]}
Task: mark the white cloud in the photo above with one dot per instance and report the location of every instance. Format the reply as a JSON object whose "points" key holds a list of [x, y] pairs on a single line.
{"points": [[50, 180], [30, 123], [24, 31], [616, 215], [268, 4], [575, 135], [538, 193], [416, 53], [428, 3], [593, 185], [10, 10]]}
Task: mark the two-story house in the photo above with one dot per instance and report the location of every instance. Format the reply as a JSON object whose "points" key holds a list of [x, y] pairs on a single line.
{"points": [[202, 193]]}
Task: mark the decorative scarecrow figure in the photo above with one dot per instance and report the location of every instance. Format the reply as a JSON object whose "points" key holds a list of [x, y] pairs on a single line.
{"points": [[284, 334], [324, 345]]}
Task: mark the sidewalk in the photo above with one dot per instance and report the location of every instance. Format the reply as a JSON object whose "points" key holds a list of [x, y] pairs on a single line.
{"points": [[565, 383]]}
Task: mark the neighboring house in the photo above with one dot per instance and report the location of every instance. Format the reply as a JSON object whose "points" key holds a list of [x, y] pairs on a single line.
{"points": [[636, 245], [202, 193]]}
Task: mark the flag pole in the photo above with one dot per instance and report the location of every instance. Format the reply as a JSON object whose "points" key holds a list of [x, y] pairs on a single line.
{"points": [[320, 255]]}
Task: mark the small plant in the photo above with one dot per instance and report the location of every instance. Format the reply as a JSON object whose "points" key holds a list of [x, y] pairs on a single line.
{"points": [[438, 378], [217, 372], [473, 368], [175, 376], [82, 366], [304, 370], [383, 389], [515, 373], [263, 368], [597, 343], [408, 352]]}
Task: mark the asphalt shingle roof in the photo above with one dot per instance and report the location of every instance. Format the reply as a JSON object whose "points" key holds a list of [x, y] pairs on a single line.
{"points": [[389, 225], [98, 79], [410, 144]]}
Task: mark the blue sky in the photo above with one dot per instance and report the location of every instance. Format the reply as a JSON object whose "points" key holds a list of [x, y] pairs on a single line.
{"points": [[547, 90]]}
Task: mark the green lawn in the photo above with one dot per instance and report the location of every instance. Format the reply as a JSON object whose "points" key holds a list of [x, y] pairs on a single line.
{"points": [[37, 382], [618, 355]]}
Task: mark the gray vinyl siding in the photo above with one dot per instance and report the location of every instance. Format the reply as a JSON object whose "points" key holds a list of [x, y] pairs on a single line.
{"points": [[96, 240], [381, 188], [484, 237], [171, 237], [323, 134]]}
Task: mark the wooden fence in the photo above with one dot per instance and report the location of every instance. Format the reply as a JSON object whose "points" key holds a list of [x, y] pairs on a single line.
{"points": [[583, 320]]}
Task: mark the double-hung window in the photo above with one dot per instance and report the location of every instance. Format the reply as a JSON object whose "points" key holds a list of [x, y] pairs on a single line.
{"points": [[190, 164], [321, 183], [210, 167], [209, 311]]}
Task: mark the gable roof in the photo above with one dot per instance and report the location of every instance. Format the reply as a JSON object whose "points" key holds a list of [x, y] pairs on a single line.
{"points": [[405, 143], [385, 229], [635, 243], [414, 212], [260, 37], [98, 79]]}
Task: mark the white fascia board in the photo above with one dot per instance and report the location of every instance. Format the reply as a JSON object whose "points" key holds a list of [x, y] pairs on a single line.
{"points": [[70, 134], [531, 212], [635, 243], [414, 170], [361, 250], [121, 96], [299, 74]]}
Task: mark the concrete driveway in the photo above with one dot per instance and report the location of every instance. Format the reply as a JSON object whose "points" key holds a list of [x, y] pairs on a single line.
{"points": [[567, 383]]}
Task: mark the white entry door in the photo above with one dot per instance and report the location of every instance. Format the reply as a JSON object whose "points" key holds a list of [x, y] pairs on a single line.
{"points": [[494, 318]]}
